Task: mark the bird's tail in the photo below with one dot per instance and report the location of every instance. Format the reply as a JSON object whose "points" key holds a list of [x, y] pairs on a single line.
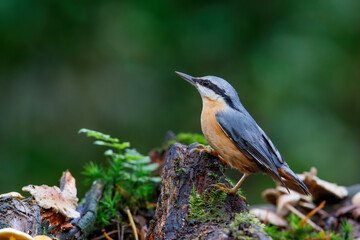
{"points": [[292, 180]]}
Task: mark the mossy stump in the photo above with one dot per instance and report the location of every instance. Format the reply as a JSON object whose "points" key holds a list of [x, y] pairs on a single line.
{"points": [[188, 208]]}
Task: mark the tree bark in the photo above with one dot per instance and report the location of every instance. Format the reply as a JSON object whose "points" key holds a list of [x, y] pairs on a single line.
{"points": [[187, 174], [21, 214]]}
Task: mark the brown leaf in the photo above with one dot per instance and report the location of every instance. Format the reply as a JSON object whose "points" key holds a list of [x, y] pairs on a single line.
{"points": [[63, 201], [56, 220]]}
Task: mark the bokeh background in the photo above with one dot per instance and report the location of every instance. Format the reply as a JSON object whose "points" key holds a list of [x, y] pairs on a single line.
{"points": [[109, 66]]}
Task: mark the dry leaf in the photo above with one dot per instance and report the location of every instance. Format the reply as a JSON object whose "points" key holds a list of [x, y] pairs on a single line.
{"points": [[63, 201]]}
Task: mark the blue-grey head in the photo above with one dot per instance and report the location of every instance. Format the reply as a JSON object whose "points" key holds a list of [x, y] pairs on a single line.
{"points": [[214, 88]]}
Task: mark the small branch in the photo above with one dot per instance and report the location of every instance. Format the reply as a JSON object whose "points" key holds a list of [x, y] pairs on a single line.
{"points": [[132, 223], [118, 228], [122, 232], [302, 216], [103, 236], [107, 236], [310, 214]]}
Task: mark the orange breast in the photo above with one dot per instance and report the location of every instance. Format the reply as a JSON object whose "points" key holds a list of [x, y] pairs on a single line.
{"points": [[218, 140]]}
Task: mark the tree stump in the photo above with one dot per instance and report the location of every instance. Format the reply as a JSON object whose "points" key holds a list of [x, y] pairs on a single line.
{"points": [[20, 214], [188, 208]]}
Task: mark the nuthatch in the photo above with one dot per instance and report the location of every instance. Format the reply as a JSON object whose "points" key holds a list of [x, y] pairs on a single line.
{"points": [[235, 136]]}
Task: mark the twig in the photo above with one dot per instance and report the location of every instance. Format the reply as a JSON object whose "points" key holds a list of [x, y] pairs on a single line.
{"points": [[151, 205], [103, 236], [107, 236], [302, 216], [122, 232], [324, 235], [118, 228], [132, 223], [123, 191], [310, 214]]}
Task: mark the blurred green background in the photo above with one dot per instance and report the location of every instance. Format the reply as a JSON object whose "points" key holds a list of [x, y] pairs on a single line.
{"points": [[109, 66]]}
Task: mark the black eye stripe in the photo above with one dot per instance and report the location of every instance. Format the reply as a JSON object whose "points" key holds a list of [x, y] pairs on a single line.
{"points": [[219, 91], [205, 83]]}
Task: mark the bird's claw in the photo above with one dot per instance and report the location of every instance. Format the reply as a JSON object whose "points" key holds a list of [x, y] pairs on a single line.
{"points": [[219, 186], [203, 149], [223, 188]]}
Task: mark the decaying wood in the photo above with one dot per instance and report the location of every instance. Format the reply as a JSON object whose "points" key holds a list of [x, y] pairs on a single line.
{"points": [[84, 225], [181, 172], [24, 214], [21, 214]]}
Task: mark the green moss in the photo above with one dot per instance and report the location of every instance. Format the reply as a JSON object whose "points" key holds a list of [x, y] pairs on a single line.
{"points": [[297, 231], [245, 217], [180, 170], [214, 176], [347, 230], [196, 206], [244, 225], [206, 207], [128, 179], [176, 164], [189, 138], [214, 200]]}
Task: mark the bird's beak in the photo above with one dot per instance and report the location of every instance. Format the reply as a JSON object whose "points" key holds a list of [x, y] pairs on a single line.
{"points": [[188, 78]]}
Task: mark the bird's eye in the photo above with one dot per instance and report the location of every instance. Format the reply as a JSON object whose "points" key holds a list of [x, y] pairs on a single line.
{"points": [[206, 83]]}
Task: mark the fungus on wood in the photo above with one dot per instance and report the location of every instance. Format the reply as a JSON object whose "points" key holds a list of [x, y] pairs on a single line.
{"points": [[189, 208]]}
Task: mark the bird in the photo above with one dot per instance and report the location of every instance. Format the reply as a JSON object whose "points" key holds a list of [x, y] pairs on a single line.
{"points": [[235, 136]]}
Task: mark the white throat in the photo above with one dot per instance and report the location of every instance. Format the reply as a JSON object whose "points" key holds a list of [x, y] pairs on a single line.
{"points": [[206, 92]]}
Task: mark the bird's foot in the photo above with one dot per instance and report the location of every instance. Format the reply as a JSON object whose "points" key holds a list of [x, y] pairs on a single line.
{"points": [[203, 149], [223, 188]]}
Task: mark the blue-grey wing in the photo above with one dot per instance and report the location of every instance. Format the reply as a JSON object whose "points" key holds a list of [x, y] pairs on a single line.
{"points": [[251, 140]]}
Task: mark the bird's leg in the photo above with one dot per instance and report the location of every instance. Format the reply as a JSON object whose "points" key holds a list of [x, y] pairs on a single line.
{"points": [[233, 190], [202, 149]]}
